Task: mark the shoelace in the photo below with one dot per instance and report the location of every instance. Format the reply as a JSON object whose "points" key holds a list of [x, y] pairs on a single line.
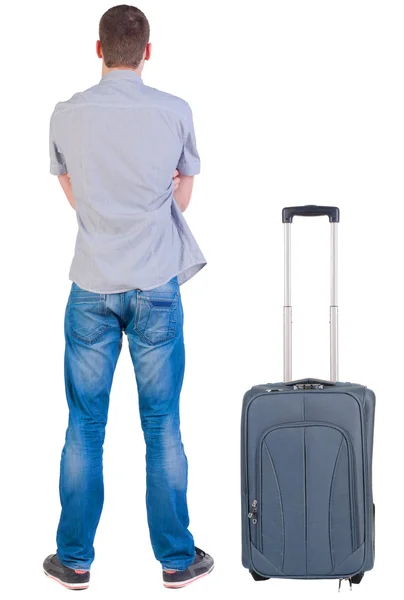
{"points": [[200, 552]]}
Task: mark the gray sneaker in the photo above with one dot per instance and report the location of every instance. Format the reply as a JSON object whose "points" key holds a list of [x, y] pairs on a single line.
{"points": [[202, 565], [73, 579]]}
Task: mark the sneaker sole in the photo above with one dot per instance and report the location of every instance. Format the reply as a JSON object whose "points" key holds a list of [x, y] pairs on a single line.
{"points": [[181, 584], [69, 586]]}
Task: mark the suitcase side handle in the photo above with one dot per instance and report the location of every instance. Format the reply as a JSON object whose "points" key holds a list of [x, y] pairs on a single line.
{"points": [[310, 210]]}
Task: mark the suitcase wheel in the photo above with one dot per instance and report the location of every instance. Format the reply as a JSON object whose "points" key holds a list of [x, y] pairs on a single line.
{"points": [[258, 577], [357, 578]]}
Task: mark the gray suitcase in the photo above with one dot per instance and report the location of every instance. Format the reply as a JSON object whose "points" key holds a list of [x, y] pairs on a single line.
{"points": [[306, 461]]}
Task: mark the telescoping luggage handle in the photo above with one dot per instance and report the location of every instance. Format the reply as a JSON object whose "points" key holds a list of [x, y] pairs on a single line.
{"points": [[332, 212]]}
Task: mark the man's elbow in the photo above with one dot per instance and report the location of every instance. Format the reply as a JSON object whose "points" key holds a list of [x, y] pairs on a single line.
{"points": [[184, 203]]}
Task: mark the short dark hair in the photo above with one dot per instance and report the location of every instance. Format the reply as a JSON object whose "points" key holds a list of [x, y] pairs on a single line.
{"points": [[124, 34]]}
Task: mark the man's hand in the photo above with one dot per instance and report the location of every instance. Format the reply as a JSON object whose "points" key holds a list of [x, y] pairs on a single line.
{"points": [[176, 180]]}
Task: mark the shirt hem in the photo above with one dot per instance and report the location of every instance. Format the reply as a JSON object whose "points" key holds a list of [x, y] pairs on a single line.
{"points": [[199, 264]]}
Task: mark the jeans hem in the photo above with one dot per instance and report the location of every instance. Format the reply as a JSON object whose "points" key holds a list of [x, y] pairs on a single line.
{"points": [[70, 565], [179, 566]]}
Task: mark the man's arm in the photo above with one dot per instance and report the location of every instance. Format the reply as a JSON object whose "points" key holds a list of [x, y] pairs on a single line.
{"points": [[183, 185], [67, 188], [188, 164], [58, 166]]}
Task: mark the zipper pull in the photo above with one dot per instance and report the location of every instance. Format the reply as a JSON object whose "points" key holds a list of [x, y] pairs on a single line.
{"points": [[253, 514]]}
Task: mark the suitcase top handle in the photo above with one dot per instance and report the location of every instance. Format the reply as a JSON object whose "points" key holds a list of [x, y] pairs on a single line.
{"points": [[310, 210], [310, 384]]}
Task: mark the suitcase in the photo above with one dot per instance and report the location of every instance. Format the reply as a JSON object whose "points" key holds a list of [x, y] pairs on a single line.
{"points": [[306, 460]]}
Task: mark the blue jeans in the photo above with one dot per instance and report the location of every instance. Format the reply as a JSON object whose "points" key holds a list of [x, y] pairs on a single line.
{"points": [[153, 323]]}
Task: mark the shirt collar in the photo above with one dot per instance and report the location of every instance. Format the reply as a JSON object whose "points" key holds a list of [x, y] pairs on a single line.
{"points": [[122, 74]]}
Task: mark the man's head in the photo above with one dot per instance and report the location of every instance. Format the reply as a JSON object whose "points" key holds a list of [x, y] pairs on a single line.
{"points": [[124, 38]]}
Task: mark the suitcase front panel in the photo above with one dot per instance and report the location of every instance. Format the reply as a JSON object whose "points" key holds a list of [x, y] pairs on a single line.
{"points": [[305, 505]]}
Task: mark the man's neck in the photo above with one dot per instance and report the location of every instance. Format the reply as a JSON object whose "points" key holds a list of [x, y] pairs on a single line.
{"points": [[106, 70]]}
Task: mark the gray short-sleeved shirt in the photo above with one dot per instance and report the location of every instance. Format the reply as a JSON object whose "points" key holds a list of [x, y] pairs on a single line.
{"points": [[121, 141]]}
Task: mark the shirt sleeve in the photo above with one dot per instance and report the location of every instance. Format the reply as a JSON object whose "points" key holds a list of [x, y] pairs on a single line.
{"points": [[57, 160], [189, 162]]}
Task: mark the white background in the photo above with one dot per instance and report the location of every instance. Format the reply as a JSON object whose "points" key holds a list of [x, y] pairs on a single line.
{"points": [[294, 102]]}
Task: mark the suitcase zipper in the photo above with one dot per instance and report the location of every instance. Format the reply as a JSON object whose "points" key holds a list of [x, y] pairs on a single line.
{"points": [[254, 512]]}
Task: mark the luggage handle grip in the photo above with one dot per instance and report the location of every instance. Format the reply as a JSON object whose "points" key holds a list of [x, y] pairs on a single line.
{"points": [[310, 210]]}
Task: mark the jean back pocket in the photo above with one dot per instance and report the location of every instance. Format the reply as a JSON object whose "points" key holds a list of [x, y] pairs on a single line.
{"points": [[156, 316], [86, 315]]}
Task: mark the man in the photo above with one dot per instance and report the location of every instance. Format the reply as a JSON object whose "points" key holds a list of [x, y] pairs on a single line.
{"points": [[115, 148]]}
